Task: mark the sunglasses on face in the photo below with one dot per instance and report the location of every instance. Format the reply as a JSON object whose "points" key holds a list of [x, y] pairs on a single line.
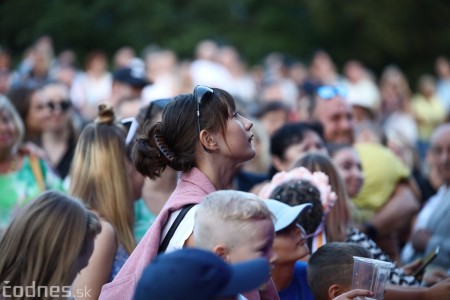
{"points": [[327, 92], [200, 94], [63, 105]]}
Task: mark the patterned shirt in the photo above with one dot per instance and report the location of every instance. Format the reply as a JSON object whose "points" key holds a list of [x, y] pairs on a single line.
{"points": [[397, 275]]}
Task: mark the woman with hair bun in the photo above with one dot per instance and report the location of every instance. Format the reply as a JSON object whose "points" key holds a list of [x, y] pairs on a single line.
{"points": [[205, 138], [100, 176]]}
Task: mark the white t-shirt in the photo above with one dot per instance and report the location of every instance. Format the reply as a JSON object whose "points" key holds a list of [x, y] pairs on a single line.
{"points": [[408, 252], [183, 231]]}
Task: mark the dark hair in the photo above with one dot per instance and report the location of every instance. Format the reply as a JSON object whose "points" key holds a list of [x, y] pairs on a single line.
{"points": [[269, 107], [20, 96], [93, 55], [172, 142], [290, 134], [334, 148], [297, 192], [333, 264]]}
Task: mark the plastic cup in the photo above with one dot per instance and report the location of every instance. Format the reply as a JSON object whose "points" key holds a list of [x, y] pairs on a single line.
{"points": [[370, 274]]}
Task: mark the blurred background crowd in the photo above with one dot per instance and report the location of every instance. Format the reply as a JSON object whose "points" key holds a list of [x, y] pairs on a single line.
{"points": [[377, 124]]}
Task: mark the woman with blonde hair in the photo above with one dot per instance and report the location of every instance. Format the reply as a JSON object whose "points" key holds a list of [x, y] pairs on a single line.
{"points": [[22, 176], [48, 242], [99, 176]]}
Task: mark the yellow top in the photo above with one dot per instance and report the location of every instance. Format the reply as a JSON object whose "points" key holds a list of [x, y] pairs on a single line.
{"points": [[382, 171], [428, 113]]}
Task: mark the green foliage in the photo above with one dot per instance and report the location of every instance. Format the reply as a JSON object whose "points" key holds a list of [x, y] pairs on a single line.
{"points": [[408, 33]]}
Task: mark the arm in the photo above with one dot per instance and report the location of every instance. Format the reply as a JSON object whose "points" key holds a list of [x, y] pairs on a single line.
{"points": [[96, 274], [397, 276], [189, 242], [439, 291], [397, 211]]}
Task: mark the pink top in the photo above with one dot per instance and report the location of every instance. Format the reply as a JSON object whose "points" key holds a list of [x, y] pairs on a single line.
{"points": [[191, 188]]}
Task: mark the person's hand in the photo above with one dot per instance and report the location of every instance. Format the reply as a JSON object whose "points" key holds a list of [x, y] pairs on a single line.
{"points": [[411, 267], [419, 239], [353, 294], [433, 276], [30, 148], [439, 291]]}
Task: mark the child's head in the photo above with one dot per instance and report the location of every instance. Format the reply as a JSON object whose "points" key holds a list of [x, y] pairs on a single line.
{"points": [[330, 269], [296, 192], [192, 273], [235, 225], [292, 141], [290, 237]]}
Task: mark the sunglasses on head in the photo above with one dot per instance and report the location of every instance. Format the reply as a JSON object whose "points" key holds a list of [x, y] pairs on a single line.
{"points": [[327, 92], [199, 93], [62, 105]]}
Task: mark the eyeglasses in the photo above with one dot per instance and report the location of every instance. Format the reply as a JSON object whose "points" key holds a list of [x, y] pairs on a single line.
{"points": [[328, 92], [199, 93], [63, 105]]}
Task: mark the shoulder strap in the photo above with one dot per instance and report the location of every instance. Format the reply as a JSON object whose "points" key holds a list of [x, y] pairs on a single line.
{"points": [[173, 228], [37, 171]]}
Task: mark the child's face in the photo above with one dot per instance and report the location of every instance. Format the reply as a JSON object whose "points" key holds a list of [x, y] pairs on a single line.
{"points": [[349, 166], [290, 244], [255, 240], [311, 143]]}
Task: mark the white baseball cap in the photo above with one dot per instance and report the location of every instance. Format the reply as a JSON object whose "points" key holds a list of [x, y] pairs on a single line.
{"points": [[284, 214]]}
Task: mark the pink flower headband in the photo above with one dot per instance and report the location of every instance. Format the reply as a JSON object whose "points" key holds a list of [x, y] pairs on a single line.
{"points": [[318, 179]]}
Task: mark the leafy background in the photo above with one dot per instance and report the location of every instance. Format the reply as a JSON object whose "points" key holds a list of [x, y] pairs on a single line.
{"points": [[408, 33]]}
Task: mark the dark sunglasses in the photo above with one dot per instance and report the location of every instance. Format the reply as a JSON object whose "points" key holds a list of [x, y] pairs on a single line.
{"points": [[199, 93], [160, 104], [328, 92], [63, 105]]}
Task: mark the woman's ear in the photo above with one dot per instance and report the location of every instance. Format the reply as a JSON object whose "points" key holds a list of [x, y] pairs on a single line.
{"points": [[208, 141]]}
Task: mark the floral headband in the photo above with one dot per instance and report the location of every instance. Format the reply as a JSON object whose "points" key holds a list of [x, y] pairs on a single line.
{"points": [[318, 179]]}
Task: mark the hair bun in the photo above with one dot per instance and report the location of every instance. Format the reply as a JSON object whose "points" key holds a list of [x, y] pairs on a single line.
{"points": [[105, 114]]}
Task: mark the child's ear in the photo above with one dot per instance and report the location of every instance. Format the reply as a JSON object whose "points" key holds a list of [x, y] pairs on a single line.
{"points": [[335, 290], [222, 252]]}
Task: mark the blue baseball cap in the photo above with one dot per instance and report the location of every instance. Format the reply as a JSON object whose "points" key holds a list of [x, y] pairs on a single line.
{"points": [[197, 274]]}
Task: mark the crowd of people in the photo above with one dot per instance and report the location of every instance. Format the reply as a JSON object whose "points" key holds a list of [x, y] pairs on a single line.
{"points": [[150, 177]]}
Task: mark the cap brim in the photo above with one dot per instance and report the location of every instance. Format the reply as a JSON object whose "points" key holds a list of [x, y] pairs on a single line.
{"points": [[284, 213], [138, 83], [246, 276]]}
